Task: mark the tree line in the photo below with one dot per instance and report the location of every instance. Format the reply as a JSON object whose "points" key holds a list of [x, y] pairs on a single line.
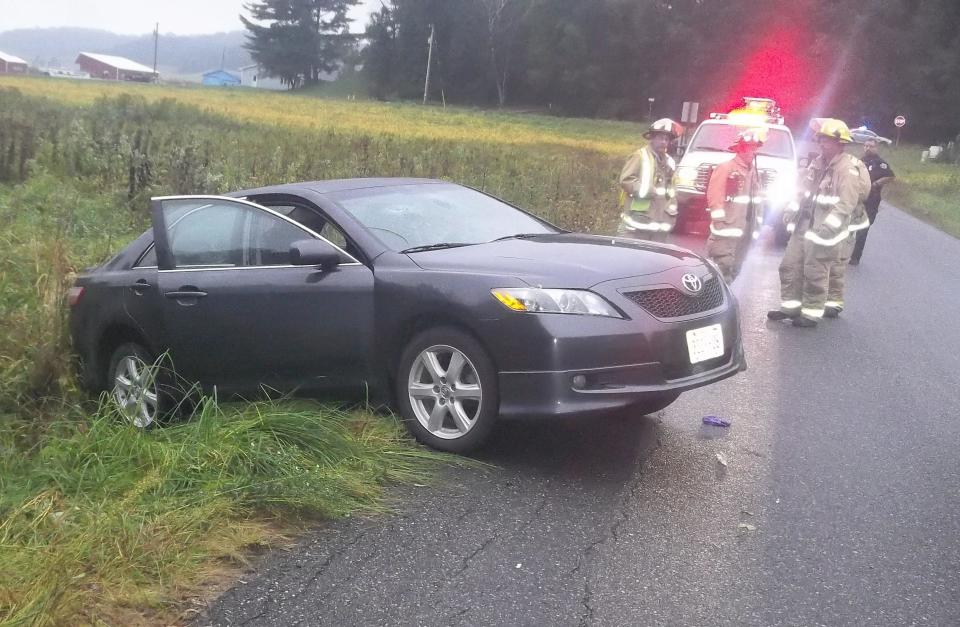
{"points": [[865, 61]]}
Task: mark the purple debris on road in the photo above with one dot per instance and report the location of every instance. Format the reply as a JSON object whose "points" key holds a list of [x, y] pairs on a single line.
{"points": [[715, 421]]}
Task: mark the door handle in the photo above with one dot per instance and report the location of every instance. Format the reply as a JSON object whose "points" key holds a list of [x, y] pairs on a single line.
{"points": [[139, 287], [186, 294]]}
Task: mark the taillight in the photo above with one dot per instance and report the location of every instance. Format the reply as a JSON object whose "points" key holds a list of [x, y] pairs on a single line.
{"points": [[74, 295]]}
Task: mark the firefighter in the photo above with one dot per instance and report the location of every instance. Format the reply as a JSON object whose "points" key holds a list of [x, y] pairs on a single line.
{"points": [[880, 174], [733, 196], [831, 193], [649, 197], [859, 222]]}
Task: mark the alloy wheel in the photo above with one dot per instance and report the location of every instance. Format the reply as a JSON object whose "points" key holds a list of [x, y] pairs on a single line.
{"points": [[445, 392], [135, 391]]}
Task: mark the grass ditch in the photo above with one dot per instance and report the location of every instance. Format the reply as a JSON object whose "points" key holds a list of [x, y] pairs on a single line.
{"points": [[106, 524], [929, 191]]}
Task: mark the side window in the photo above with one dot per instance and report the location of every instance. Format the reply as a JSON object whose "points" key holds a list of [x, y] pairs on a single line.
{"points": [[334, 235], [149, 258], [317, 223], [223, 234], [204, 232], [269, 240]]}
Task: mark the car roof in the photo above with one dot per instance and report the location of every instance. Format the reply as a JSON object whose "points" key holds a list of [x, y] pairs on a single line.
{"points": [[336, 185]]}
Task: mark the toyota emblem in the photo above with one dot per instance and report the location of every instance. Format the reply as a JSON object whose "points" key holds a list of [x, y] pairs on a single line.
{"points": [[692, 282]]}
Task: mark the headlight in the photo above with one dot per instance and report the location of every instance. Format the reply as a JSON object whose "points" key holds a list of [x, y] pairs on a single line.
{"points": [[536, 300], [686, 176], [782, 189]]}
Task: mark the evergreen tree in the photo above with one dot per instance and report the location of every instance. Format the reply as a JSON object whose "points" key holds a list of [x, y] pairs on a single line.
{"points": [[299, 41]]}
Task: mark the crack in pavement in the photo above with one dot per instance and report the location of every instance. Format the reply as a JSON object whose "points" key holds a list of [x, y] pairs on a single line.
{"points": [[587, 616], [629, 495], [322, 568]]}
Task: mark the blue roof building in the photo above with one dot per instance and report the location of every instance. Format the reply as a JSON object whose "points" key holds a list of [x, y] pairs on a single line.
{"points": [[221, 78]]}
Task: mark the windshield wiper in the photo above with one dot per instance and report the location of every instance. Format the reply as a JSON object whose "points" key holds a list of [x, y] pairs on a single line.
{"points": [[708, 149], [518, 236], [439, 246]]}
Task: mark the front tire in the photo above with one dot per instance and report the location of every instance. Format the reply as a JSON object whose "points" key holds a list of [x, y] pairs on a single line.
{"points": [[447, 390]]}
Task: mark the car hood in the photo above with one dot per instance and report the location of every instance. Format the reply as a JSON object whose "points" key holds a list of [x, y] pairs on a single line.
{"points": [[568, 260], [764, 162]]}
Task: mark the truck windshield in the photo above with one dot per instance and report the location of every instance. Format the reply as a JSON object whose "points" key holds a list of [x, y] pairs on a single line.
{"points": [[719, 137]]}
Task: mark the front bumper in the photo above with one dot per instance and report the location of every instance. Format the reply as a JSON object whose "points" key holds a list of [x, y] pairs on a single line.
{"points": [[543, 394], [553, 365]]}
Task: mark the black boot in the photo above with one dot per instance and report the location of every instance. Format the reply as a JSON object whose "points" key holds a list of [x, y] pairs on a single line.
{"points": [[777, 314], [831, 312], [803, 321]]}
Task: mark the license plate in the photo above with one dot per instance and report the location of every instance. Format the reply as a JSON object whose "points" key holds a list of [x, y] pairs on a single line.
{"points": [[705, 343]]}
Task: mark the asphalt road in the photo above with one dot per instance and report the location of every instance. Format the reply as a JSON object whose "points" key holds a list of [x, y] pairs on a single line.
{"points": [[843, 459]]}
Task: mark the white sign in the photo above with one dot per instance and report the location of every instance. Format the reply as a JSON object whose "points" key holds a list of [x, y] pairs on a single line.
{"points": [[900, 121], [690, 112]]}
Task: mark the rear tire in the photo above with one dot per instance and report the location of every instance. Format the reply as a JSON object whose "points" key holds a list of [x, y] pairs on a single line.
{"points": [[447, 390], [137, 383]]}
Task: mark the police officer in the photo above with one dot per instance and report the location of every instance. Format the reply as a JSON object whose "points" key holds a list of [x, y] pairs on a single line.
{"points": [[733, 196], [831, 192], [880, 174], [649, 197]]}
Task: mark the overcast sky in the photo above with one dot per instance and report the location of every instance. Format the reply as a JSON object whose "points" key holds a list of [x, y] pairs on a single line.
{"points": [[181, 17]]}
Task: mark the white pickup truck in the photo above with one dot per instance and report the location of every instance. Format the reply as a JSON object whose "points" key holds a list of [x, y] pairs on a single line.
{"points": [[709, 146]]}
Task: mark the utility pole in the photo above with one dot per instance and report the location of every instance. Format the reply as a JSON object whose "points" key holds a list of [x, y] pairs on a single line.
{"points": [[426, 83], [156, 47]]}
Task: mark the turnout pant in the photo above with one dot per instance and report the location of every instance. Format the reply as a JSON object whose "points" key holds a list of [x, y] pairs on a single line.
{"points": [[728, 253], [873, 208], [838, 273], [805, 275], [640, 225]]}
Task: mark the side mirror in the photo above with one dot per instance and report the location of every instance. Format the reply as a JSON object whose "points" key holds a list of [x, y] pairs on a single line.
{"points": [[681, 150], [314, 252]]}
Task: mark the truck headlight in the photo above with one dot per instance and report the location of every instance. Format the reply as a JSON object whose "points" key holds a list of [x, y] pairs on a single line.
{"points": [[536, 300], [686, 176], [782, 190]]}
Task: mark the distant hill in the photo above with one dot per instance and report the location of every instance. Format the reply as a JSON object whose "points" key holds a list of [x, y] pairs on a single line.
{"points": [[183, 56]]}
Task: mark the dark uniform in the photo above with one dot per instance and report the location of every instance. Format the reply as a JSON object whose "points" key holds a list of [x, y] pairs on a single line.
{"points": [[878, 169]]}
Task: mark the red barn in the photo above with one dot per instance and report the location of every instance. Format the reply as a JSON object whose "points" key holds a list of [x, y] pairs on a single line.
{"points": [[10, 64], [109, 67]]}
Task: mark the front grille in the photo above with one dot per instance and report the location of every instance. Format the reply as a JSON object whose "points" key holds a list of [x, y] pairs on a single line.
{"points": [[767, 177], [672, 303], [704, 170]]}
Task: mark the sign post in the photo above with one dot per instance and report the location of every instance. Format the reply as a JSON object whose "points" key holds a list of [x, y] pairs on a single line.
{"points": [[899, 122]]}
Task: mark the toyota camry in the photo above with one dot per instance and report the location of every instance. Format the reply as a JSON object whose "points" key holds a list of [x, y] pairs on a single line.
{"points": [[456, 306]]}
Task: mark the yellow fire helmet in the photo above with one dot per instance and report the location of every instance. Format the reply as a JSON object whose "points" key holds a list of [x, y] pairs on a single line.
{"points": [[665, 125], [830, 127], [751, 136]]}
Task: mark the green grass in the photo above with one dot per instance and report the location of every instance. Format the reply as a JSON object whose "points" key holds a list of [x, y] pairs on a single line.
{"points": [[930, 191], [105, 524]]}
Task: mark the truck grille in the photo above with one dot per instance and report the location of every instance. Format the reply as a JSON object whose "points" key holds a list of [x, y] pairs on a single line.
{"points": [[704, 170], [672, 303], [767, 177]]}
